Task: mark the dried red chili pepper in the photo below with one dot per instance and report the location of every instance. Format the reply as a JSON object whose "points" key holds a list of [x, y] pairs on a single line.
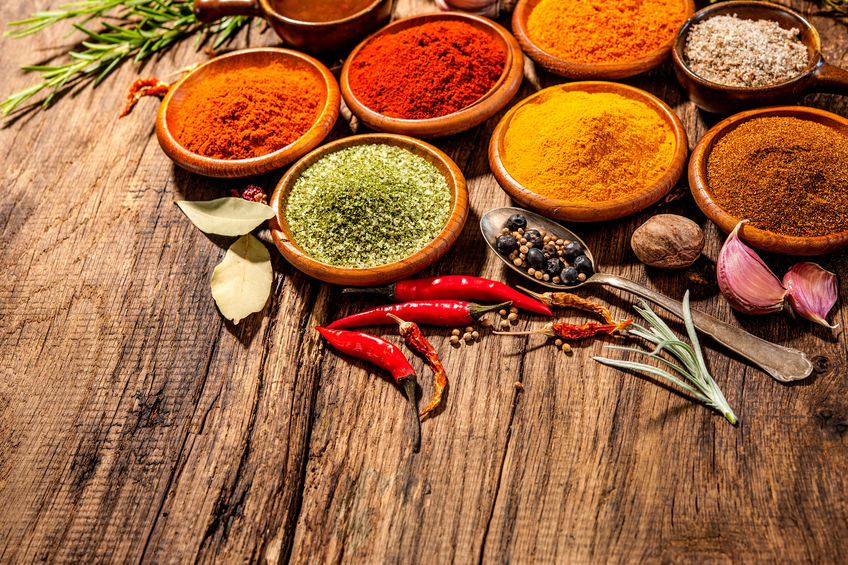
{"points": [[416, 341], [457, 287], [144, 87], [573, 332], [252, 193], [385, 355], [448, 313], [569, 300]]}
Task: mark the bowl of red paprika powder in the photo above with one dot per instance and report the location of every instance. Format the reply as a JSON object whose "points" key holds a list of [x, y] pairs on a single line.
{"points": [[248, 112], [432, 75]]}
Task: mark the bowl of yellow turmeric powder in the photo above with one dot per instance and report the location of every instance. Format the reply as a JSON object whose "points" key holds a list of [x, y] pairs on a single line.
{"points": [[587, 39], [588, 151]]}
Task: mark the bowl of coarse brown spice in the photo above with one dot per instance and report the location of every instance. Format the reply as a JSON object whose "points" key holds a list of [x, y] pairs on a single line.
{"points": [[737, 55], [248, 112], [785, 170]]}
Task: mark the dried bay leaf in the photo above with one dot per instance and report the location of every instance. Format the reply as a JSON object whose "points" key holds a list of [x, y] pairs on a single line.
{"points": [[241, 283], [226, 216]]}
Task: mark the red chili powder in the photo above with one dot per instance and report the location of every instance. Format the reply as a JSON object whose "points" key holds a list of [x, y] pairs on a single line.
{"points": [[248, 112], [426, 71]]}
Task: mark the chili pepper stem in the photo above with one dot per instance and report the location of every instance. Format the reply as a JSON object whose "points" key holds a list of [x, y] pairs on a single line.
{"points": [[476, 311], [386, 290], [547, 330], [408, 386], [404, 325], [540, 297]]}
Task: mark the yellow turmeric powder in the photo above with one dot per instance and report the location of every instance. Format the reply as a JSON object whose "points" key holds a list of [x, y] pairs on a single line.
{"points": [[601, 31], [580, 146]]}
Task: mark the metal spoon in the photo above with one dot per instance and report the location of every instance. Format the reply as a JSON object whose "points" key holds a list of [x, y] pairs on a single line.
{"points": [[782, 363]]}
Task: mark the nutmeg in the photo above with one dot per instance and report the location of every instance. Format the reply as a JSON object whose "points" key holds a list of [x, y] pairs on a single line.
{"points": [[668, 241]]}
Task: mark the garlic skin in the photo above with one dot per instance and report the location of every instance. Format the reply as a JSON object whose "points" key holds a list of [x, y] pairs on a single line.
{"points": [[811, 292], [745, 281]]}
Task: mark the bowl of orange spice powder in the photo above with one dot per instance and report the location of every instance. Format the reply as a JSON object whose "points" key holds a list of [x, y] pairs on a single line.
{"points": [[432, 75], [248, 112], [599, 39], [588, 151]]}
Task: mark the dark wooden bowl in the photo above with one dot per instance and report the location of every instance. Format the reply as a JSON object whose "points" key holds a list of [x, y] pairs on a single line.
{"points": [[720, 99], [761, 239], [237, 168], [318, 37], [586, 71], [383, 274], [484, 108], [591, 211]]}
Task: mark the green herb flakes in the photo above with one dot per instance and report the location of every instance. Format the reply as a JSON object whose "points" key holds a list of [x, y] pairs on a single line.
{"points": [[367, 205]]}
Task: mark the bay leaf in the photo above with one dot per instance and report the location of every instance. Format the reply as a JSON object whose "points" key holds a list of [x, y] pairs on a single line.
{"points": [[241, 282], [226, 216]]}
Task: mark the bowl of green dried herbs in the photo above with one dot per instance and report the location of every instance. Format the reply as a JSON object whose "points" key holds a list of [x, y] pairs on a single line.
{"points": [[369, 209]]}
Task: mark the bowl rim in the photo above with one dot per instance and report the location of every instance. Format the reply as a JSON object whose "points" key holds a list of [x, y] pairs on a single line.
{"points": [[508, 82], [373, 6], [592, 211], [380, 274], [710, 11], [235, 168], [761, 239], [581, 70]]}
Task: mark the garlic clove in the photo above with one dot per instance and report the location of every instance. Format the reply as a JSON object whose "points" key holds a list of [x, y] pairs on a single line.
{"points": [[811, 291], [745, 280]]}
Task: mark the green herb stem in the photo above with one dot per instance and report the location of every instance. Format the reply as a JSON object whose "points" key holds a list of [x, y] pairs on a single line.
{"points": [[696, 378], [143, 27]]}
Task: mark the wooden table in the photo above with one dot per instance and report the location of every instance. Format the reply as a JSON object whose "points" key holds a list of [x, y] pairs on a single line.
{"points": [[135, 424]]}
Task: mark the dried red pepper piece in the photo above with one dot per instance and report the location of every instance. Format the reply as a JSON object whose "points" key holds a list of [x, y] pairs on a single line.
{"points": [[144, 87], [416, 341], [252, 193], [573, 332], [569, 300]]}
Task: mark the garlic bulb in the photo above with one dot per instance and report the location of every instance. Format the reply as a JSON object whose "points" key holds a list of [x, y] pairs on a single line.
{"points": [[811, 291], [745, 281]]}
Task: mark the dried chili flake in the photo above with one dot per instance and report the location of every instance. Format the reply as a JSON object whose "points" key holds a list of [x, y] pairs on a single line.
{"points": [[573, 332], [144, 87], [252, 193]]}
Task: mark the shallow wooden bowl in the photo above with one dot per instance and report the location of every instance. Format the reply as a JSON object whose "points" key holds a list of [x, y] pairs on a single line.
{"points": [[236, 168], [383, 274], [591, 211], [487, 106], [716, 98], [761, 239], [323, 37], [592, 71]]}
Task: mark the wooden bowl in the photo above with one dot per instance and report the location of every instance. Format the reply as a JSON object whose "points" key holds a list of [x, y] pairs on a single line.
{"points": [[761, 239], [236, 168], [323, 37], [721, 99], [591, 211], [592, 71], [383, 274], [478, 112]]}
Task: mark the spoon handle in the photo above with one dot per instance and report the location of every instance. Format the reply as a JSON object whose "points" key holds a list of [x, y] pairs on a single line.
{"points": [[782, 363]]}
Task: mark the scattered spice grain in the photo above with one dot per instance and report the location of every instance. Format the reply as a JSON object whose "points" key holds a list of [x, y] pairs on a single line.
{"points": [[749, 53], [783, 174]]}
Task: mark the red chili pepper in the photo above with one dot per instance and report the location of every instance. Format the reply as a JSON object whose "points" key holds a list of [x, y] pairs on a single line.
{"points": [[573, 332], [455, 287], [448, 313], [144, 87], [416, 341], [385, 355]]}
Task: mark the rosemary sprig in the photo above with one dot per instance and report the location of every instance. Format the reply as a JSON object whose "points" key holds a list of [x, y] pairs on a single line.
{"points": [[142, 28], [696, 380]]}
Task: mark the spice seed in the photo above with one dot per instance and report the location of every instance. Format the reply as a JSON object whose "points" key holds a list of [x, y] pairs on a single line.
{"points": [[455, 331], [516, 262], [502, 313], [486, 323], [558, 343], [504, 323], [518, 386], [454, 340], [475, 335], [469, 329], [513, 310], [512, 317], [467, 337], [567, 348]]}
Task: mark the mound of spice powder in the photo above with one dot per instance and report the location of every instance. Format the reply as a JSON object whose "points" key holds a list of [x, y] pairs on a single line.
{"points": [[367, 205], [604, 31], [426, 71], [786, 175], [248, 112], [587, 147]]}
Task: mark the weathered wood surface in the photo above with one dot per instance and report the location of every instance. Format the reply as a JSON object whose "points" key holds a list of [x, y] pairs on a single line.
{"points": [[136, 425]]}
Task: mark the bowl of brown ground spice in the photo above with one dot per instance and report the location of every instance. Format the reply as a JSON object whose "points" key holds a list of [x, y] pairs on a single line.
{"points": [[737, 55], [785, 170], [248, 112], [599, 40]]}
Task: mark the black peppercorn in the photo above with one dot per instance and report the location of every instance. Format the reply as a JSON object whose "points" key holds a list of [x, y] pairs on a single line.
{"points": [[549, 250], [572, 250], [583, 265], [506, 244], [553, 267], [569, 275], [516, 222], [535, 258]]}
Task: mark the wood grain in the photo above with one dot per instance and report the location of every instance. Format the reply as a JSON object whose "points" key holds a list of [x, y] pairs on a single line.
{"points": [[136, 426]]}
